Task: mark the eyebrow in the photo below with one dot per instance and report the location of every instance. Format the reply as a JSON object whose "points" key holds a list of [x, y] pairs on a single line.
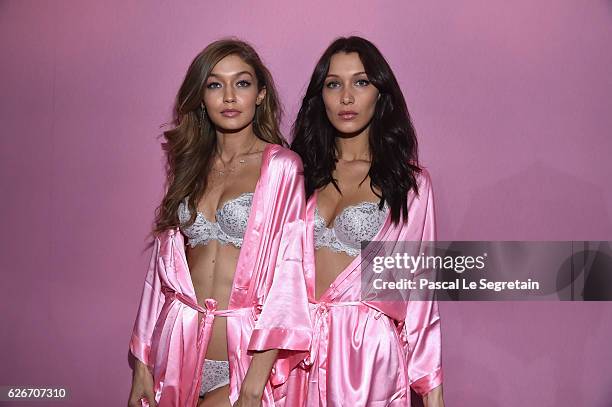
{"points": [[234, 75], [337, 76]]}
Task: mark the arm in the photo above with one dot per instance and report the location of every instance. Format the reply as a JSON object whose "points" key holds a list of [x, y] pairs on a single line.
{"points": [[434, 398], [256, 378], [422, 323], [151, 302], [142, 386], [423, 348], [284, 322]]}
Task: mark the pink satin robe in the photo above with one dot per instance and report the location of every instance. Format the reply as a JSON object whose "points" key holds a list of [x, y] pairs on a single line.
{"points": [[268, 306], [370, 353]]}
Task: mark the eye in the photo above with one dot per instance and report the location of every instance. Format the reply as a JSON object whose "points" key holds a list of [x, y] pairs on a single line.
{"points": [[332, 84], [362, 82], [243, 83], [213, 85]]}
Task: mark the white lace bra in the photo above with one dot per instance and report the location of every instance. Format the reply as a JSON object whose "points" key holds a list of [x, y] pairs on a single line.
{"points": [[355, 224], [229, 227]]}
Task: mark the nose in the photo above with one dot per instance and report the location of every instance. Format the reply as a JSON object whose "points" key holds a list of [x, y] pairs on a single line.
{"points": [[346, 98], [228, 95]]}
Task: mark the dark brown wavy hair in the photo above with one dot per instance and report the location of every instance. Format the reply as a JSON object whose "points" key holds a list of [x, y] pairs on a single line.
{"points": [[191, 144]]}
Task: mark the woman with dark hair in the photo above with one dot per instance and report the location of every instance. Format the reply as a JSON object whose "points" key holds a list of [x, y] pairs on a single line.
{"points": [[363, 183], [227, 259]]}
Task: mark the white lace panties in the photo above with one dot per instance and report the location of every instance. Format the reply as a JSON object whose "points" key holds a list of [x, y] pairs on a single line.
{"points": [[214, 375]]}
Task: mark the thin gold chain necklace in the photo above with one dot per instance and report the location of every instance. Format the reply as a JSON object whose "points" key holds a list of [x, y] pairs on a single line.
{"points": [[232, 169]]}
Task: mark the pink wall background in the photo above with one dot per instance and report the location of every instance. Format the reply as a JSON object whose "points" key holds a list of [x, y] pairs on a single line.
{"points": [[511, 101]]}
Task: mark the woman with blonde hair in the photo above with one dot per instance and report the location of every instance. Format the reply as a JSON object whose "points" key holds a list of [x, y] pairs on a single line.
{"points": [[224, 312]]}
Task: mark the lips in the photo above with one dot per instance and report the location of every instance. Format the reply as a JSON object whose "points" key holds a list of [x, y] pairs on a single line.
{"points": [[347, 115], [230, 112]]}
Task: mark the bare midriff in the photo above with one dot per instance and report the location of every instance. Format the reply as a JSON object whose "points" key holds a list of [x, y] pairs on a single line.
{"points": [[213, 265], [212, 273]]}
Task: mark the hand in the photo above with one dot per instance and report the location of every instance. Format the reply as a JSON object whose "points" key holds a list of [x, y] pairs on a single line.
{"points": [[142, 386]]}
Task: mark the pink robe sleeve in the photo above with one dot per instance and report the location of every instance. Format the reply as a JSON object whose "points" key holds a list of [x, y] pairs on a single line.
{"points": [[284, 321], [151, 303], [422, 324]]}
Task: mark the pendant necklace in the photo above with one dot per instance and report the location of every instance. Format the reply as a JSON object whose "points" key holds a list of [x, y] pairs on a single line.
{"points": [[232, 169]]}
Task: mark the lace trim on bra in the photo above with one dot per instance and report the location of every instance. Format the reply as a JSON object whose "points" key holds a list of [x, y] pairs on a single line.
{"points": [[229, 227], [355, 224]]}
